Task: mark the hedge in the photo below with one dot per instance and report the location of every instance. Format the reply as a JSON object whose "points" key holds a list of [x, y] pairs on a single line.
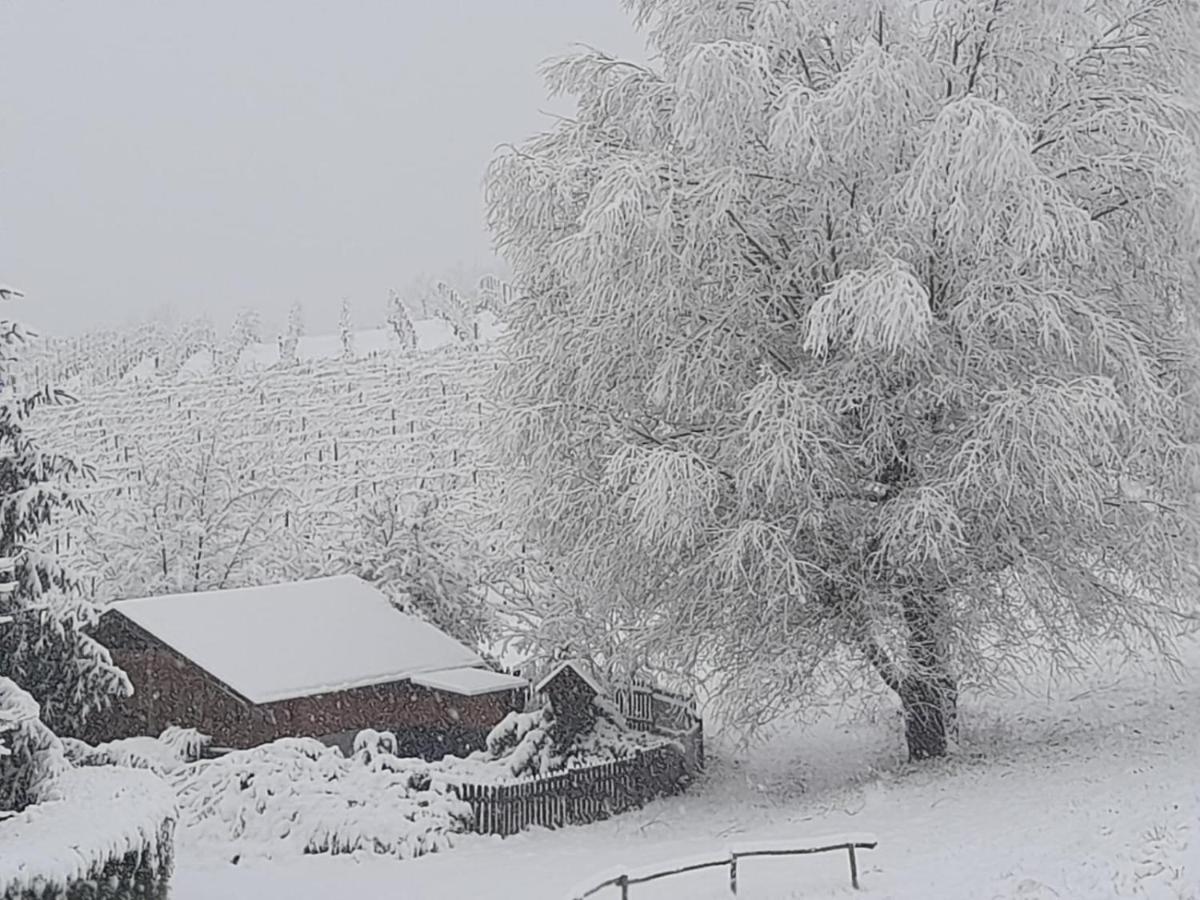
{"points": [[102, 833]]}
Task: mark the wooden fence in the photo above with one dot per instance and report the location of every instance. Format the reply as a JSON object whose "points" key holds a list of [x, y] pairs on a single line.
{"points": [[577, 796], [591, 793], [623, 880]]}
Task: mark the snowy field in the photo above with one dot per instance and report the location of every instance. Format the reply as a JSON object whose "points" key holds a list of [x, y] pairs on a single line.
{"points": [[1088, 791]]}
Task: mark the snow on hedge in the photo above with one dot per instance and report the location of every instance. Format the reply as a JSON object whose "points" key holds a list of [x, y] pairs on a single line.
{"points": [[31, 756], [87, 819], [521, 746], [169, 751], [297, 796]]}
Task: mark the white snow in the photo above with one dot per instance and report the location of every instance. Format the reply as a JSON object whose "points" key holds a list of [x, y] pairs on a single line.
{"points": [[469, 682], [299, 638], [143, 371], [580, 668], [1085, 792], [298, 796], [431, 334], [199, 365], [91, 816]]}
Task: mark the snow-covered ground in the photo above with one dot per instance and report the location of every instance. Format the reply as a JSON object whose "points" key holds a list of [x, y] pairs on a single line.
{"points": [[1087, 791]]}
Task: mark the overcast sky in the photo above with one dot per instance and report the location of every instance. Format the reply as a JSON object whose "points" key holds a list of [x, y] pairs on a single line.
{"points": [[228, 153]]}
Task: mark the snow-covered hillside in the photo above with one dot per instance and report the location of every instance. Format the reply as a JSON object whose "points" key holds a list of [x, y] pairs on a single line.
{"points": [[431, 335]]}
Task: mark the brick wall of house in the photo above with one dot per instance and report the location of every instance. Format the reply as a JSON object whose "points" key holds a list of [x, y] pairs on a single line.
{"points": [[170, 690]]}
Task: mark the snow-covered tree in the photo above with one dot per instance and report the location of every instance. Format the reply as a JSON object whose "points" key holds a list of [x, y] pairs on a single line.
{"points": [[424, 556], [456, 309], [862, 330], [44, 649], [495, 295], [200, 510], [245, 330], [346, 332], [196, 335], [290, 340], [400, 323]]}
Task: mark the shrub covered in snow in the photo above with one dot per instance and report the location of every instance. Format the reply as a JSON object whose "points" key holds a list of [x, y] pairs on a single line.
{"points": [[296, 796], [523, 745], [30, 754], [103, 833], [169, 751]]}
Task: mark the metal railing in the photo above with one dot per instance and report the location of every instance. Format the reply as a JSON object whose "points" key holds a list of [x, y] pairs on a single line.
{"points": [[851, 843]]}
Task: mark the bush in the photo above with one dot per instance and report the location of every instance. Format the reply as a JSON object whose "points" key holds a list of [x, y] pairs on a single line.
{"points": [[103, 833], [298, 796], [31, 756], [523, 745], [171, 750]]}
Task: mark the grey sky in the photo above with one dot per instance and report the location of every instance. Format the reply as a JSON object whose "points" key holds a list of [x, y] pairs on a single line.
{"points": [[228, 153]]}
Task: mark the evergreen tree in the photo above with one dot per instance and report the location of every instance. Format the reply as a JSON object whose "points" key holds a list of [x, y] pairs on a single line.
{"points": [[43, 647], [855, 329]]}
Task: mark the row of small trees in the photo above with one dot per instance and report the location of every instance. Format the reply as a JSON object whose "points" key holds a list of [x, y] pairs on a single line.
{"points": [[370, 466], [102, 357]]}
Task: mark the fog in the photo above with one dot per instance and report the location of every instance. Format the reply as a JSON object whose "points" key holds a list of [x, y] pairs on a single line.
{"points": [[202, 157]]}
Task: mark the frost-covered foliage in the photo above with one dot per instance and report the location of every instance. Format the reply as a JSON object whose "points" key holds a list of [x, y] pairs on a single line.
{"points": [[245, 330], [346, 332], [171, 750], [417, 548], [222, 480], [103, 833], [865, 329], [297, 796], [290, 339], [401, 324], [31, 756], [525, 745], [200, 513], [44, 648]]}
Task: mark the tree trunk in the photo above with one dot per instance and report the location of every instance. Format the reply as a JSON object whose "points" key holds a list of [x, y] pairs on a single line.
{"points": [[928, 718], [928, 691]]}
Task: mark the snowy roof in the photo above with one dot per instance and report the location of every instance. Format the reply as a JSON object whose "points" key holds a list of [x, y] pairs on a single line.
{"points": [[297, 639], [582, 669], [469, 682]]}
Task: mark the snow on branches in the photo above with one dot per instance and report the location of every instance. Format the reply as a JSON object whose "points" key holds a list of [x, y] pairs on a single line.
{"points": [[298, 796], [860, 313]]}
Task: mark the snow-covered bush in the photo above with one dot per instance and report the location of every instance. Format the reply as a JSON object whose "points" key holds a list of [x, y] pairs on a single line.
{"points": [[30, 754], [101, 833], [297, 796], [523, 745], [370, 744], [171, 750]]}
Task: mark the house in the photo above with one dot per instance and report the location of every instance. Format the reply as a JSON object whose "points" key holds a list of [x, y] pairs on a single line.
{"points": [[324, 658], [571, 687]]}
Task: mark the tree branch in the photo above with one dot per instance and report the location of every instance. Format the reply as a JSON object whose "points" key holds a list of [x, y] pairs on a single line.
{"points": [[883, 664]]}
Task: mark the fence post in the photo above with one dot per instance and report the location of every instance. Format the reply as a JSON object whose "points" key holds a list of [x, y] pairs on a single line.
{"points": [[733, 874], [853, 868], [623, 884]]}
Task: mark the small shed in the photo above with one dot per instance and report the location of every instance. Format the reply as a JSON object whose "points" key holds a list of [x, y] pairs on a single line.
{"points": [[324, 658], [571, 687]]}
